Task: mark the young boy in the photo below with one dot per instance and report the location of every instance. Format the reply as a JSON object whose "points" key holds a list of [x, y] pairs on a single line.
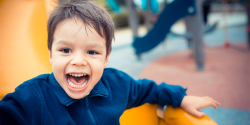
{"points": [[81, 90]]}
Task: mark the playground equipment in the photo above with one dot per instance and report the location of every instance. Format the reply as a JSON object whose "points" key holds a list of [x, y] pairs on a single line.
{"points": [[24, 55], [226, 42], [113, 5], [172, 13], [23, 47], [248, 22], [191, 9], [149, 114], [154, 7]]}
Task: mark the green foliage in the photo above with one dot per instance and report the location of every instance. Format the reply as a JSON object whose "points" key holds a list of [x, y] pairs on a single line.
{"points": [[121, 20]]}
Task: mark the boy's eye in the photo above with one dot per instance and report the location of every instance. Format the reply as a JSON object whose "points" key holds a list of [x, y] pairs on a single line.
{"points": [[92, 52], [66, 50]]}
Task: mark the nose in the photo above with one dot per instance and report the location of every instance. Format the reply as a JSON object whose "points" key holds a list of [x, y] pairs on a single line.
{"points": [[78, 60]]}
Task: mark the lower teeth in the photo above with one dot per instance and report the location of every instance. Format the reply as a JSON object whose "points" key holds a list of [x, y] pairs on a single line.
{"points": [[77, 86]]}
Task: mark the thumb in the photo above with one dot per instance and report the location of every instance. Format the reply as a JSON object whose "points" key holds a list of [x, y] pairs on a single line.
{"points": [[197, 113]]}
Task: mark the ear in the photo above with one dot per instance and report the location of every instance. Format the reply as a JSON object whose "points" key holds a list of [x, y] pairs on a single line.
{"points": [[50, 56], [106, 60]]}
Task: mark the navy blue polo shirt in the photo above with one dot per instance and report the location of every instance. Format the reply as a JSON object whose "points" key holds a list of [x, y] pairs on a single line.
{"points": [[42, 100]]}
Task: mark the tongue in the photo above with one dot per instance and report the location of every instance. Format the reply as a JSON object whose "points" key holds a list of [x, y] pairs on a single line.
{"points": [[77, 80]]}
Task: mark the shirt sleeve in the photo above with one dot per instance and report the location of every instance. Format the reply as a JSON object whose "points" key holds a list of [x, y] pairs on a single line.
{"points": [[20, 107], [147, 91]]}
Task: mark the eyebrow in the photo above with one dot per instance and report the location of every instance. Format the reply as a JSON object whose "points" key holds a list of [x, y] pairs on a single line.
{"points": [[89, 44], [63, 42], [95, 45]]}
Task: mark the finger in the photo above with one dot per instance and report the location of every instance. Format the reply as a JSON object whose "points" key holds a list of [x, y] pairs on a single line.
{"points": [[214, 105], [197, 113], [217, 103], [209, 98], [207, 104]]}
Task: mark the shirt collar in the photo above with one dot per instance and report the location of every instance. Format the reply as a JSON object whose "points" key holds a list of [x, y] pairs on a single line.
{"points": [[98, 90]]}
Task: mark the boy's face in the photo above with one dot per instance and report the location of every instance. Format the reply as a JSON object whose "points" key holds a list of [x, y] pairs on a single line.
{"points": [[78, 57]]}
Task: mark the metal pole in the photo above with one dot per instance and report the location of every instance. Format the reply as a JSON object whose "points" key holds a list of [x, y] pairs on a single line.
{"points": [[248, 21], [132, 17], [198, 35], [189, 28], [148, 16], [165, 3], [226, 43]]}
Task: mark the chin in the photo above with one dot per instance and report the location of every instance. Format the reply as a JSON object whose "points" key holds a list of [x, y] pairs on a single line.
{"points": [[77, 96]]}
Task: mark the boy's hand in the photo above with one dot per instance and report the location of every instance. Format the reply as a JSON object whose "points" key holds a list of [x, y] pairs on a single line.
{"points": [[192, 104]]}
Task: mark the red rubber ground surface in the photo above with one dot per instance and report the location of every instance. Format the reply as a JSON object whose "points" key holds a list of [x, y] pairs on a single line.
{"points": [[225, 78]]}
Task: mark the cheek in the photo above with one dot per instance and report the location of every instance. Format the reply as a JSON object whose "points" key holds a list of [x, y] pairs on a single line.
{"points": [[58, 65], [97, 67]]}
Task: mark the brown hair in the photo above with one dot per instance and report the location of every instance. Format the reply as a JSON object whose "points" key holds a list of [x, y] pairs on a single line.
{"points": [[90, 13]]}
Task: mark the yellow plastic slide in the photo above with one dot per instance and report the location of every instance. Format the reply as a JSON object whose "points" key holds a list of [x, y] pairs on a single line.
{"points": [[24, 55], [23, 51]]}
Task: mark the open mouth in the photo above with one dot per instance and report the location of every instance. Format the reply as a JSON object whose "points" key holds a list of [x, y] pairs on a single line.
{"points": [[77, 82]]}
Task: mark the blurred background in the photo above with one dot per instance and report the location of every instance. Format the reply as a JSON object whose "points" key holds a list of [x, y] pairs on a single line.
{"points": [[202, 45], [225, 75]]}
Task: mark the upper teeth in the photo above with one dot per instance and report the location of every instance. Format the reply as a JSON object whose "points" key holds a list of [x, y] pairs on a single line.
{"points": [[78, 75]]}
